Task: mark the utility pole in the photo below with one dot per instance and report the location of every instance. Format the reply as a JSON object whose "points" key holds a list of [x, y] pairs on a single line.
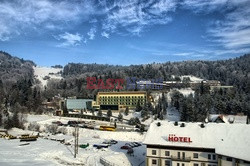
{"points": [[76, 139]]}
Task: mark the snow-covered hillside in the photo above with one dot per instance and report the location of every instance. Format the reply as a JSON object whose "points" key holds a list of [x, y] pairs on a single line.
{"points": [[43, 74]]}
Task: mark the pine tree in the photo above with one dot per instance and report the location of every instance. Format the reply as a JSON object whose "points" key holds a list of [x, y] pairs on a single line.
{"points": [[15, 119], [120, 117], [138, 107], [109, 113], [99, 113], [1, 117], [126, 111]]}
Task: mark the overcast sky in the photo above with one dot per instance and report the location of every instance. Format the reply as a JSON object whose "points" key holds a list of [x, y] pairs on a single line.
{"points": [[124, 32]]}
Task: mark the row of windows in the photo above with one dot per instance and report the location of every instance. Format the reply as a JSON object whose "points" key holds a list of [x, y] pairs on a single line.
{"points": [[122, 97], [168, 163], [122, 103], [120, 100], [195, 155]]}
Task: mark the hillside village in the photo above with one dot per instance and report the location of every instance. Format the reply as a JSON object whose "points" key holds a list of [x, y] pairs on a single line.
{"points": [[120, 126]]}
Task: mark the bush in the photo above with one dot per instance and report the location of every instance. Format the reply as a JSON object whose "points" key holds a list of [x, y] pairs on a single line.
{"points": [[34, 126], [52, 129], [62, 130], [134, 121]]}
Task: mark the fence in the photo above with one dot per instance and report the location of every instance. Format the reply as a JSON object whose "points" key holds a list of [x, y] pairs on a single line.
{"points": [[87, 117]]}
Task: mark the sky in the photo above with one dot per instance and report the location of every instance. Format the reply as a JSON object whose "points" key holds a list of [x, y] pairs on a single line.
{"points": [[124, 32]]}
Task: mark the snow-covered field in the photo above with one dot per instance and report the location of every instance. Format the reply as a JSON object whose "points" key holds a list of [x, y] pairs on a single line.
{"points": [[192, 78], [41, 72], [48, 152]]}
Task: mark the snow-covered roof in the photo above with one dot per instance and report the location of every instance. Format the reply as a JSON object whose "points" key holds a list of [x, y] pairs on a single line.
{"points": [[228, 118], [77, 103], [227, 139]]}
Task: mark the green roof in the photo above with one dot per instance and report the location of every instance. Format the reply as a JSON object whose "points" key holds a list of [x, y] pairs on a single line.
{"points": [[77, 103]]}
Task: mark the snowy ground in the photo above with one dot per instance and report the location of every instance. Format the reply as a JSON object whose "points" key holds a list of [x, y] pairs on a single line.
{"points": [[41, 72], [192, 78], [49, 152]]}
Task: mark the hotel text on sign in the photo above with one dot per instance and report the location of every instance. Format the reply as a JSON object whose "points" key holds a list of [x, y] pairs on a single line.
{"points": [[174, 138]]}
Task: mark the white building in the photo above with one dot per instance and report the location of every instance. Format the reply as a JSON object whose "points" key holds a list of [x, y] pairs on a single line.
{"points": [[193, 144]]}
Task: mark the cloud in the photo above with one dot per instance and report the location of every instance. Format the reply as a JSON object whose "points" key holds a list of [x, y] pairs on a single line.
{"points": [[17, 16], [233, 30], [69, 39], [105, 34], [123, 17], [133, 17], [91, 33]]}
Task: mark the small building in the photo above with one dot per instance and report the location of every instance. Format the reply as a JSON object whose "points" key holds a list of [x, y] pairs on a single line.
{"points": [[219, 118], [196, 144], [213, 88], [78, 105]]}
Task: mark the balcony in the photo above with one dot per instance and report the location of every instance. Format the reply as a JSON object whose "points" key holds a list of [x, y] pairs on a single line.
{"points": [[175, 158]]}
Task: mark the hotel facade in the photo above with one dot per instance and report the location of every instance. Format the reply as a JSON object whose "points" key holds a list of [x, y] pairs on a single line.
{"points": [[120, 100], [192, 144]]}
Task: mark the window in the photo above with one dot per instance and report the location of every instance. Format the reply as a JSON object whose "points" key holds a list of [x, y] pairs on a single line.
{"points": [[195, 155], [209, 156], [214, 157], [178, 164], [182, 164], [229, 159], [195, 164], [167, 163], [167, 153], [154, 161], [153, 152]]}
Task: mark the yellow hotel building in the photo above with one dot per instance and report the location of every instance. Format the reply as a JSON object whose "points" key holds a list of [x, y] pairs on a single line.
{"points": [[120, 99]]}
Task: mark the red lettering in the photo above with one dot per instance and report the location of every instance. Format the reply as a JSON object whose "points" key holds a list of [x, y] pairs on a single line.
{"points": [[119, 83], [90, 83], [110, 83], [101, 84], [176, 139], [170, 139]]}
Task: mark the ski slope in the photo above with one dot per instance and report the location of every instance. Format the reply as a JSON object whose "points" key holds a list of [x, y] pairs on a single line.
{"points": [[41, 73]]}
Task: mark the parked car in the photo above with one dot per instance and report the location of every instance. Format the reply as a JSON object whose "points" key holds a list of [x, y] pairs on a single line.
{"points": [[99, 146], [125, 147], [113, 141], [59, 123], [72, 123], [137, 143], [130, 144]]}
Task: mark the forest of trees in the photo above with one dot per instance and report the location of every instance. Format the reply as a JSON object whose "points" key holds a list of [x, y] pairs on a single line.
{"points": [[235, 72], [19, 92]]}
